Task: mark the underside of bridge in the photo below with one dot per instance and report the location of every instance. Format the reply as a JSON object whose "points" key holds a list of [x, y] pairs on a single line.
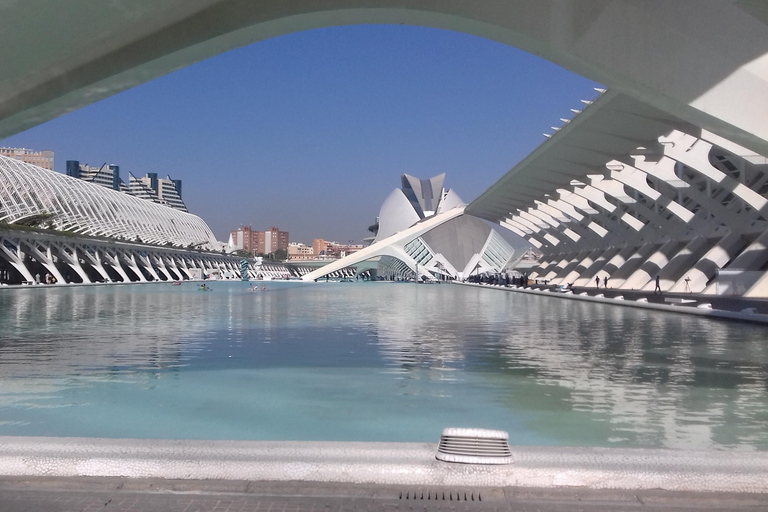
{"points": [[703, 61]]}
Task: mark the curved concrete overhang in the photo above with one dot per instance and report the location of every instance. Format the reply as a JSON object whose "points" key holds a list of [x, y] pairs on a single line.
{"points": [[702, 61]]}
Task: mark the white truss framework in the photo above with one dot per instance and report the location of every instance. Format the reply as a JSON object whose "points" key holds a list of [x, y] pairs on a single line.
{"points": [[630, 193], [91, 210]]}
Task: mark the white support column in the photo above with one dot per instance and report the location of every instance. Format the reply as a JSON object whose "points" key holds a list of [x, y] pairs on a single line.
{"points": [[16, 258], [130, 260], [95, 261], [708, 265], [113, 260], [754, 256], [146, 262], [46, 259], [68, 253], [652, 266], [671, 273], [160, 263], [182, 265], [565, 271], [638, 257], [609, 267], [589, 266]]}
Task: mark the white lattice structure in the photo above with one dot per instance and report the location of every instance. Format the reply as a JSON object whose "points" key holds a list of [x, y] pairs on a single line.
{"points": [[628, 192], [90, 210]]}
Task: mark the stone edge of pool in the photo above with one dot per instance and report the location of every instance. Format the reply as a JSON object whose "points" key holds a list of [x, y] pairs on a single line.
{"points": [[382, 463]]}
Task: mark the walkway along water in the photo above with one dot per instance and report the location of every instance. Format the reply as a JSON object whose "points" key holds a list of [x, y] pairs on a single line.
{"points": [[730, 308]]}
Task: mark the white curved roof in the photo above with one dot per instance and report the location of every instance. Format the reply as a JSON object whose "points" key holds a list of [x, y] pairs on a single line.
{"points": [[396, 214], [88, 209]]}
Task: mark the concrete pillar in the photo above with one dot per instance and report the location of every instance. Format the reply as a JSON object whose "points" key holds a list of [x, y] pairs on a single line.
{"points": [[95, 260], [671, 273], [652, 266], [130, 260], [706, 268], [68, 253], [16, 258], [46, 259]]}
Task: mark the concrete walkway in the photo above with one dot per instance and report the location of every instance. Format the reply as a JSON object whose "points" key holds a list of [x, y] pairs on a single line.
{"points": [[77, 474], [726, 308], [51, 494]]}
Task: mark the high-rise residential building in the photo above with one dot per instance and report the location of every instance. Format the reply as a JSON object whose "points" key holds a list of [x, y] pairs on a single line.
{"points": [[242, 239], [271, 240], [137, 187], [42, 159], [165, 191], [162, 191], [107, 176], [259, 242]]}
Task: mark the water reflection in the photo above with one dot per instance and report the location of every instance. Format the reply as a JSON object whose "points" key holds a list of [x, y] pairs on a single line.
{"points": [[568, 372]]}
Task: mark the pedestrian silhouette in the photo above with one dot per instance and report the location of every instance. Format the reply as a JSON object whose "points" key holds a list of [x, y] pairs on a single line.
{"points": [[605, 282], [658, 286], [597, 282]]}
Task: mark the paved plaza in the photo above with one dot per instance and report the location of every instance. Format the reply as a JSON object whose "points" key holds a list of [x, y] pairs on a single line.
{"points": [[76, 475], [53, 494]]}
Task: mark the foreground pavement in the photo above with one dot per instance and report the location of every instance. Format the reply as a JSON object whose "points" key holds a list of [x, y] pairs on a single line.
{"points": [[79, 494], [40, 474]]}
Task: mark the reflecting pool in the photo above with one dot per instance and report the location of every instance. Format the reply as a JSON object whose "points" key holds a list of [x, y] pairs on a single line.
{"points": [[374, 362]]}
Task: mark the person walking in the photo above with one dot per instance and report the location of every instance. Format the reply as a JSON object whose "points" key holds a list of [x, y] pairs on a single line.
{"points": [[605, 282], [658, 286], [597, 282]]}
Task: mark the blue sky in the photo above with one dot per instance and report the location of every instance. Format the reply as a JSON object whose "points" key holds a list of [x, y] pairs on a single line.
{"points": [[310, 131]]}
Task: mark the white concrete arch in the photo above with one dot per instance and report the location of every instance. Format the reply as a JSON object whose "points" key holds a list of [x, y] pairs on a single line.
{"points": [[660, 52]]}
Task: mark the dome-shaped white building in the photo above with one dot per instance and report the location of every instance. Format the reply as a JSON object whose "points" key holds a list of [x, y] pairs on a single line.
{"points": [[422, 230]]}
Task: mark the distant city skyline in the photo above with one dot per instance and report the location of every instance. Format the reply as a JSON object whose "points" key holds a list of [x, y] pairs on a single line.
{"points": [[310, 131]]}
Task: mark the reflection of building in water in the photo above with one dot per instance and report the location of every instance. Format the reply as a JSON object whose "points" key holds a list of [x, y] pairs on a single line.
{"points": [[631, 377], [412, 340], [105, 331], [653, 382]]}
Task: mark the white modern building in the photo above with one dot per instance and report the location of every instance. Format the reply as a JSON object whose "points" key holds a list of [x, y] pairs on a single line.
{"points": [[86, 209], [631, 193], [423, 232], [93, 233]]}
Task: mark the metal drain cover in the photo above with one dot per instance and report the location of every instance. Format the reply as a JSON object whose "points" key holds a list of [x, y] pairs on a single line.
{"points": [[474, 446]]}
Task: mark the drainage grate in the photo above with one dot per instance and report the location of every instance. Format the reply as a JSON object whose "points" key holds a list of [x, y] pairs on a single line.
{"points": [[474, 446], [441, 495]]}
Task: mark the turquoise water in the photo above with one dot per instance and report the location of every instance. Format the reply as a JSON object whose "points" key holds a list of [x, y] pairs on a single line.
{"points": [[373, 362]]}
